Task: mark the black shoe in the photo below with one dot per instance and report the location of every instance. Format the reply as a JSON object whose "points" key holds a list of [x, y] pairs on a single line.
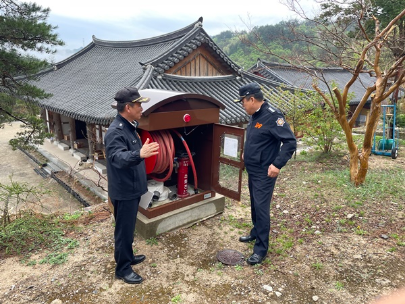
{"points": [[138, 259], [246, 239], [255, 259], [132, 278]]}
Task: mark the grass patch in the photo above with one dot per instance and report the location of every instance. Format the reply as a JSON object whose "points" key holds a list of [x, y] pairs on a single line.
{"points": [[282, 245], [339, 285], [31, 233], [317, 265], [381, 184], [237, 223], [55, 258], [72, 216], [152, 241], [176, 299], [320, 157]]}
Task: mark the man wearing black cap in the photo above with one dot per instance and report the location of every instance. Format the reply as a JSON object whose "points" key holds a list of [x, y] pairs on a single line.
{"points": [[127, 180], [263, 157]]}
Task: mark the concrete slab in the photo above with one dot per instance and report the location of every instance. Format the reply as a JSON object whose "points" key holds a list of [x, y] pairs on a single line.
{"points": [[51, 167], [63, 146], [100, 168], [183, 217], [79, 156]]}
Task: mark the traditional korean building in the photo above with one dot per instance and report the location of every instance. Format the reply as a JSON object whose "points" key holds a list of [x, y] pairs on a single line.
{"points": [[186, 60]]}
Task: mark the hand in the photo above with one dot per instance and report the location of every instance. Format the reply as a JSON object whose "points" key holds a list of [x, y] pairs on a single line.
{"points": [[273, 171], [149, 149], [397, 297]]}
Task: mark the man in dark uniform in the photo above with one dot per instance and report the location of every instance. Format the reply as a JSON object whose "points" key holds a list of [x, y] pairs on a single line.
{"points": [[264, 156], [127, 180]]}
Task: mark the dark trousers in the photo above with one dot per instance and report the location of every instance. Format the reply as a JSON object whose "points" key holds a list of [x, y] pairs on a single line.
{"points": [[125, 212], [261, 191]]}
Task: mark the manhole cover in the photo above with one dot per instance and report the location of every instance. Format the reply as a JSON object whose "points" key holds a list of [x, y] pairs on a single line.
{"points": [[230, 257]]}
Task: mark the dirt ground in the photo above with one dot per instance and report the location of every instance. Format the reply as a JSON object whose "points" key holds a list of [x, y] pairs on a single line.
{"points": [[313, 260]]}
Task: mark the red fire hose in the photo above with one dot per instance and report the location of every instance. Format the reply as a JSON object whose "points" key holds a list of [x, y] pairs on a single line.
{"points": [[166, 155]]}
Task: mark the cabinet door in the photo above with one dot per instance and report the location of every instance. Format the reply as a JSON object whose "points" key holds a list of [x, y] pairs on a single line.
{"points": [[227, 160]]}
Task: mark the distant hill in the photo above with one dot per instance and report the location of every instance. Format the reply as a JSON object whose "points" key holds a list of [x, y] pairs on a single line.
{"points": [[277, 37]]}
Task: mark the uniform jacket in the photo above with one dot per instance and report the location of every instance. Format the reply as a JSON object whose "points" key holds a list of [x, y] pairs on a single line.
{"points": [[266, 131], [125, 168]]}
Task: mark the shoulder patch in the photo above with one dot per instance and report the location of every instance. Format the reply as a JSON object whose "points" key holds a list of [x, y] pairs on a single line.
{"points": [[271, 109], [280, 122]]}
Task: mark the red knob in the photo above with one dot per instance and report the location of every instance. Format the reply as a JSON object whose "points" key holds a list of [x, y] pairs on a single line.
{"points": [[186, 117]]}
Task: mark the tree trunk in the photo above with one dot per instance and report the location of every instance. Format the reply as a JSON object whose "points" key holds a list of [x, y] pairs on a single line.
{"points": [[353, 152], [375, 112]]}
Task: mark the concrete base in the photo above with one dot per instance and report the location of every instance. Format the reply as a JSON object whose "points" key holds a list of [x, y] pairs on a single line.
{"points": [[63, 146], [183, 217]]}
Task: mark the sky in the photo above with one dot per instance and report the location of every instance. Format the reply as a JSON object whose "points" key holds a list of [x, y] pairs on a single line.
{"points": [[117, 20]]}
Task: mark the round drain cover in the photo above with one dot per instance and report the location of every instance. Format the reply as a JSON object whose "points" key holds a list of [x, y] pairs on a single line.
{"points": [[230, 257]]}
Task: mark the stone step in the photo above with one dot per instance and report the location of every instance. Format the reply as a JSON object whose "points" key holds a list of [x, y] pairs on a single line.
{"points": [[79, 156], [63, 146], [51, 167], [100, 168]]}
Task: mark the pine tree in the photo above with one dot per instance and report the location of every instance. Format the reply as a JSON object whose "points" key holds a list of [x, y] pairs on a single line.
{"points": [[23, 31]]}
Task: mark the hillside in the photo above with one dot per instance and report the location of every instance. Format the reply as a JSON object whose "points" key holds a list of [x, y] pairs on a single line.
{"points": [[276, 37]]}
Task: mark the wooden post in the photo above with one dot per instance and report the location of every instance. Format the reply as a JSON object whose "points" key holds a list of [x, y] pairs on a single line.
{"points": [[90, 136], [58, 126], [72, 131], [100, 133], [50, 122]]}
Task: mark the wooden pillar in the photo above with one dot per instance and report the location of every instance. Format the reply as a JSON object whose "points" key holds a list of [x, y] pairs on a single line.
{"points": [[72, 131], [51, 122], [90, 139], [58, 126], [45, 120], [100, 133]]}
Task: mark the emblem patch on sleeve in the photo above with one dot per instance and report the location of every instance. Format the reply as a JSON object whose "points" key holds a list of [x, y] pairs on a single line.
{"points": [[280, 122], [258, 125]]}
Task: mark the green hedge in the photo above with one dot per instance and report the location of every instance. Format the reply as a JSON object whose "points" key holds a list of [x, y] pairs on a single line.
{"points": [[400, 121]]}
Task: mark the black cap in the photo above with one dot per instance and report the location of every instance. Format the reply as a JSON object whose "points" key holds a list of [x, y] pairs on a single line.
{"points": [[130, 94], [248, 89]]}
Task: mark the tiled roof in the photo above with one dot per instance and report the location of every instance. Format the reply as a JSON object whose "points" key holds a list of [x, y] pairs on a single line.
{"points": [[299, 78], [83, 88], [223, 89], [83, 85]]}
